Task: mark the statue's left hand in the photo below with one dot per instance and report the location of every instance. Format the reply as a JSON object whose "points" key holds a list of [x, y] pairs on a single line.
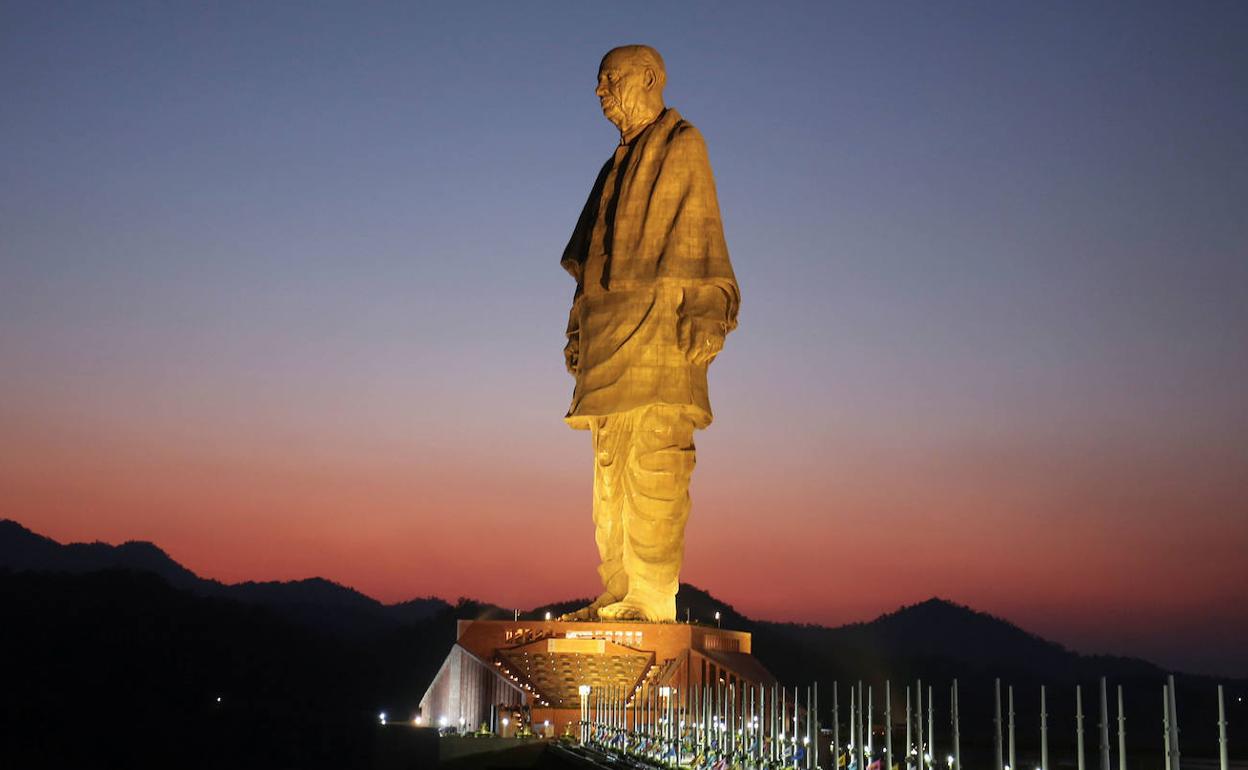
{"points": [[701, 339], [572, 354]]}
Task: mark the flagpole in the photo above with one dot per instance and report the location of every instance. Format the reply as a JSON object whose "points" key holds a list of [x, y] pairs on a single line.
{"points": [[1044, 733], [1104, 727], [957, 738], [909, 738], [1174, 724], [1165, 723], [918, 721], [931, 731], [1010, 703], [809, 721], [888, 724], [836, 728], [996, 723], [1222, 759], [1079, 726], [870, 724], [861, 742]]}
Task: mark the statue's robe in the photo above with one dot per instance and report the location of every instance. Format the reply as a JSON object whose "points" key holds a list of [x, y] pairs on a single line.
{"points": [[647, 252]]}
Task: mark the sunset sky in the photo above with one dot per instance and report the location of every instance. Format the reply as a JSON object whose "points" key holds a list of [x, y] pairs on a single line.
{"points": [[280, 292]]}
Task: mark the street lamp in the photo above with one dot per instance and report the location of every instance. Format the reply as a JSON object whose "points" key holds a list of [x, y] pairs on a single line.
{"points": [[717, 625]]}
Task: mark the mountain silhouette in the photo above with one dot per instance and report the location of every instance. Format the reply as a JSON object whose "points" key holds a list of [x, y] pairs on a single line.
{"points": [[935, 635], [314, 601], [21, 549], [129, 636]]}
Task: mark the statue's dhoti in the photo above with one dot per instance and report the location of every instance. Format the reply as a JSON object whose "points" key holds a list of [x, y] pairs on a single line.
{"points": [[643, 460]]}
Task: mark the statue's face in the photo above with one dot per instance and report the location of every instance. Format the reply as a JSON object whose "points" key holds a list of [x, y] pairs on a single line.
{"points": [[622, 86]]}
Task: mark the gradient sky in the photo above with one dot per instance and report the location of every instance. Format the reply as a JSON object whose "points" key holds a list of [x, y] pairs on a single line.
{"points": [[280, 292]]}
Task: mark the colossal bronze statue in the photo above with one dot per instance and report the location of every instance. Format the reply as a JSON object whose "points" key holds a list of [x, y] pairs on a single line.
{"points": [[655, 297]]}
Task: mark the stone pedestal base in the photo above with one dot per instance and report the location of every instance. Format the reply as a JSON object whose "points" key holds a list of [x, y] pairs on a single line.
{"points": [[534, 669]]}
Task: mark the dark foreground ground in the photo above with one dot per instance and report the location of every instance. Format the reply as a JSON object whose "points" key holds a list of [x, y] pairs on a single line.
{"points": [[401, 748], [539, 755]]}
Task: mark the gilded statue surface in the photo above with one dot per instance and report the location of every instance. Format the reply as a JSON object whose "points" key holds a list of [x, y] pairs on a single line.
{"points": [[655, 297]]}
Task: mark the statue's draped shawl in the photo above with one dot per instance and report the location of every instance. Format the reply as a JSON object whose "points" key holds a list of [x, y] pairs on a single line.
{"points": [[666, 226], [648, 253]]}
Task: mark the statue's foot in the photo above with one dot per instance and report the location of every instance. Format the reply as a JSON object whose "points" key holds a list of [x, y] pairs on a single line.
{"points": [[588, 612], [625, 610], [591, 610], [641, 604]]}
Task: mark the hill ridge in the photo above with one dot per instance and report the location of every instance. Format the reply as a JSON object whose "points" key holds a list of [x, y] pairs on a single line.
{"points": [[931, 629]]}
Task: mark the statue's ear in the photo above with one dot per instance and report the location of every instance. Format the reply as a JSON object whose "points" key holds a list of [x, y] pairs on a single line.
{"points": [[649, 78]]}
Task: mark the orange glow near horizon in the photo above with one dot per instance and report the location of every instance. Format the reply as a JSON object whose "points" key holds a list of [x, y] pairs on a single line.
{"points": [[1059, 544]]}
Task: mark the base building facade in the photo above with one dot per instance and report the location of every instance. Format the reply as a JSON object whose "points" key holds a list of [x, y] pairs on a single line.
{"points": [[536, 671]]}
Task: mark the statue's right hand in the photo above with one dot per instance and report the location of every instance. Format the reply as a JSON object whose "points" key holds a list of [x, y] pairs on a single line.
{"points": [[572, 355]]}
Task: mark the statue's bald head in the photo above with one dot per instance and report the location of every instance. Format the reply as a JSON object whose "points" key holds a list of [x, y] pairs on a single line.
{"points": [[640, 57], [630, 87]]}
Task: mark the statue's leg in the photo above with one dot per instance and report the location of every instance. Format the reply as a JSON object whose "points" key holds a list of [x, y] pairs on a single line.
{"points": [[610, 450], [657, 472], [610, 436]]}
